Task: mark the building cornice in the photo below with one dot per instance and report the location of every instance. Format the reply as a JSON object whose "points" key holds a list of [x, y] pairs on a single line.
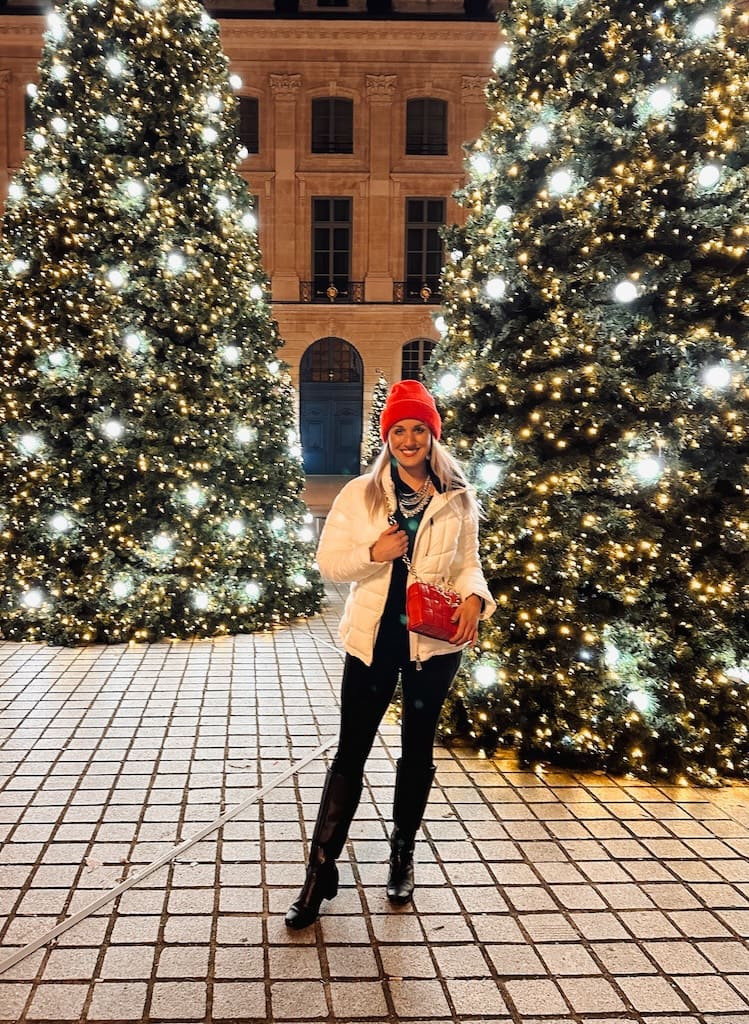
{"points": [[255, 39]]}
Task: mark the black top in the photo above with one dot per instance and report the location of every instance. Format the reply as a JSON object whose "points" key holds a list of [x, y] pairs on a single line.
{"points": [[393, 623]]}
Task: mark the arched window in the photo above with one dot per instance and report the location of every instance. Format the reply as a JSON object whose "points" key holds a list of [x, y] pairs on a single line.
{"points": [[415, 355], [331, 361], [426, 127], [332, 125]]}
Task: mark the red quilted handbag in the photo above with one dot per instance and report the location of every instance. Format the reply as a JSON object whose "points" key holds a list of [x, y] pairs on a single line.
{"points": [[429, 609]]}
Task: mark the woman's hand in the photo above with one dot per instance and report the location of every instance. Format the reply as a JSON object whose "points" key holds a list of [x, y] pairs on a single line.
{"points": [[466, 618], [391, 544]]}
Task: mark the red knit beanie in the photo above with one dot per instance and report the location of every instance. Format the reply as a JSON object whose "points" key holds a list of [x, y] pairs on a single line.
{"points": [[410, 400]]}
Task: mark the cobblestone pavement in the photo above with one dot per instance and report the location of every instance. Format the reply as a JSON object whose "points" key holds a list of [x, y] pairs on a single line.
{"points": [[554, 897]]}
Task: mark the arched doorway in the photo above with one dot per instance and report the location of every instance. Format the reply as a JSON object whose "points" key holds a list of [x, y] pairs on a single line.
{"points": [[330, 407]]}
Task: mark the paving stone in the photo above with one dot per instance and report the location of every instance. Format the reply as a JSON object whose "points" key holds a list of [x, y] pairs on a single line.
{"points": [[532, 996], [294, 1000], [239, 1000], [416, 998], [118, 1000], [57, 1002], [173, 999]]}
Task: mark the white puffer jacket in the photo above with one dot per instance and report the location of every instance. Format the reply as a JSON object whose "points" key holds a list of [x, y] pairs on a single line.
{"points": [[445, 549]]}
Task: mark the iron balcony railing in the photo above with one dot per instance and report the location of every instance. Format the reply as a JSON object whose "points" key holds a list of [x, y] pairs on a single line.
{"points": [[331, 291]]}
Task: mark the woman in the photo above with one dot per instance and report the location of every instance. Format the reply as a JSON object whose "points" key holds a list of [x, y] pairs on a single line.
{"points": [[414, 503]]}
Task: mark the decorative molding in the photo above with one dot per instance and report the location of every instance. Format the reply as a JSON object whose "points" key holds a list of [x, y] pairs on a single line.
{"points": [[473, 87], [381, 88], [4, 83], [284, 86]]}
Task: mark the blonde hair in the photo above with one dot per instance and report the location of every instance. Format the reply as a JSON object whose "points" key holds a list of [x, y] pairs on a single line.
{"points": [[445, 467]]}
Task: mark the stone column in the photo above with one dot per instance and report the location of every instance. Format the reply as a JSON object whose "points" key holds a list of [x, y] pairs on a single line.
{"points": [[379, 280], [473, 107], [285, 280]]}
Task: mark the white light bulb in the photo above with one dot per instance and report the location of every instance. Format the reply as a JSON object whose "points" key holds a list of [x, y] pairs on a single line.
{"points": [[59, 125], [122, 588], [611, 655], [235, 81], [661, 99], [490, 473], [256, 292], [277, 524], [33, 598], [305, 534], [235, 527], [560, 182], [194, 495], [481, 164], [201, 599], [705, 27], [148, 5], [456, 255], [639, 699], [209, 135], [50, 184], [206, 22], [38, 141], [57, 358], [135, 188], [162, 542], [717, 377], [485, 674], [59, 72], [116, 277], [132, 341], [223, 203], [30, 443], [249, 221], [245, 434], [114, 66], [502, 56], [708, 176], [175, 261], [231, 355], [113, 429], [538, 136], [503, 212], [56, 26], [441, 324], [496, 287], [275, 367], [448, 383], [60, 523], [32, 89], [648, 469], [17, 267], [111, 123], [252, 590], [242, 153], [299, 580], [625, 291], [213, 102], [16, 191]]}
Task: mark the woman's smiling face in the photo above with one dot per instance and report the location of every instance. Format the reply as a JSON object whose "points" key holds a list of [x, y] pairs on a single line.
{"points": [[410, 442]]}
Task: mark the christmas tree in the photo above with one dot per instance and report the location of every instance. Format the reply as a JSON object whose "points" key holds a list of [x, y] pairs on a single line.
{"points": [[151, 476], [373, 440], [594, 367]]}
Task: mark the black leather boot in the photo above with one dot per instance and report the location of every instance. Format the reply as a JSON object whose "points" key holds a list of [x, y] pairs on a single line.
{"points": [[411, 795], [340, 798]]}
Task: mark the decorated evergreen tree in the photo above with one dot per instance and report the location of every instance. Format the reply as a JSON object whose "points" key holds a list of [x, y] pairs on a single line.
{"points": [[594, 367], [373, 440], [151, 476]]}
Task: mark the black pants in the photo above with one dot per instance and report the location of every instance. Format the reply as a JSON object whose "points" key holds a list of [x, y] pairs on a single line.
{"points": [[366, 693]]}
